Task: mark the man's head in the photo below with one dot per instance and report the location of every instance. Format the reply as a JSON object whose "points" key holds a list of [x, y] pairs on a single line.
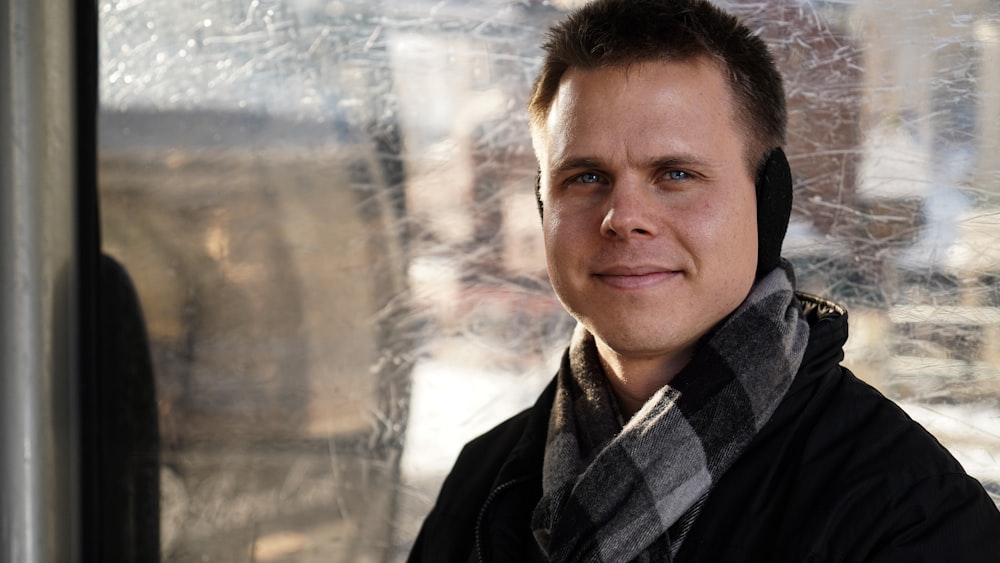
{"points": [[623, 33], [650, 150]]}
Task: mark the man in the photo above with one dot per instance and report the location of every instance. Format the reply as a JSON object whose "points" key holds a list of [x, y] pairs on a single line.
{"points": [[700, 412]]}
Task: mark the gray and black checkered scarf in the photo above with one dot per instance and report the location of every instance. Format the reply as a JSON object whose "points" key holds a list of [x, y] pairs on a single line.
{"points": [[614, 492]]}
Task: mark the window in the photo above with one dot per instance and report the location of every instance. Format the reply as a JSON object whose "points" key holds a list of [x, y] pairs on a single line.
{"points": [[327, 211]]}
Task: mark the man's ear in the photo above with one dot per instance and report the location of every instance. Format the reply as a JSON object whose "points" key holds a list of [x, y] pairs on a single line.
{"points": [[538, 191], [774, 207]]}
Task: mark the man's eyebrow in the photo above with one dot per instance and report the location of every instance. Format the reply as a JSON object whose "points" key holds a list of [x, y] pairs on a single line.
{"points": [[671, 161], [677, 160], [576, 163]]}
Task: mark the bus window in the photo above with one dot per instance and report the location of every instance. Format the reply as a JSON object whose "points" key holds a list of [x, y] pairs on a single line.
{"points": [[327, 211]]}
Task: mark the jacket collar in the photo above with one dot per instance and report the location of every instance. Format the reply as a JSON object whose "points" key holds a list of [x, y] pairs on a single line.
{"points": [[525, 460], [827, 336]]}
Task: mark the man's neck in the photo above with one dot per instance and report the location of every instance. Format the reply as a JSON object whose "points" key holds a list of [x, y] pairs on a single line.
{"points": [[635, 379]]}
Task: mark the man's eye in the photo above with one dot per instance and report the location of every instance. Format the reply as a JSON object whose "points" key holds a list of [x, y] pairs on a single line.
{"points": [[588, 178], [677, 175]]}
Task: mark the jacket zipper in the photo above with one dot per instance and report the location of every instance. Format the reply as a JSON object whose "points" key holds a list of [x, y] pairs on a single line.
{"points": [[482, 514]]}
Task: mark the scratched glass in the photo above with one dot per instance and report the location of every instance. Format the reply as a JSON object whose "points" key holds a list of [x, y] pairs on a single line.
{"points": [[327, 210]]}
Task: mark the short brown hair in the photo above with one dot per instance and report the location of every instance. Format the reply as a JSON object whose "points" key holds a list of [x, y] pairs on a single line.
{"points": [[610, 33]]}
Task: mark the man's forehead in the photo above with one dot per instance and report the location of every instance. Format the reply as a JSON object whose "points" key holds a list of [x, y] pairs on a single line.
{"points": [[568, 110]]}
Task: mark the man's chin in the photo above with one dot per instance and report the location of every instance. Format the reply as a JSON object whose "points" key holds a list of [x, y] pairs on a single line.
{"points": [[640, 345]]}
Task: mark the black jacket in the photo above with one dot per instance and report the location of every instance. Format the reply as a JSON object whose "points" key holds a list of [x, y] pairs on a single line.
{"points": [[839, 473]]}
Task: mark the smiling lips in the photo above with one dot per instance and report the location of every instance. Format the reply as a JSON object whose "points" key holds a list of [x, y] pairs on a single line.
{"points": [[621, 277]]}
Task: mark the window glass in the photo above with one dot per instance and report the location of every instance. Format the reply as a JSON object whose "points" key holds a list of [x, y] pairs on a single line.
{"points": [[327, 209]]}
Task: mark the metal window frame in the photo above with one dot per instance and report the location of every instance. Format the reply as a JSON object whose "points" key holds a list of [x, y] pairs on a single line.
{"points": [[39, 281]]}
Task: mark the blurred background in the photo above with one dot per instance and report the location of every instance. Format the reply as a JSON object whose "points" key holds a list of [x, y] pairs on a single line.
{"points": [[327, 210]]}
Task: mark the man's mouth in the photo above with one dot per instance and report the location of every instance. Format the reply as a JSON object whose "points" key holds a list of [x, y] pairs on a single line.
{"points": [[635, 277]]}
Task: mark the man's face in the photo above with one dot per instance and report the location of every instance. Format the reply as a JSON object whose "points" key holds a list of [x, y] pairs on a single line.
{"points": [[649, 210]]}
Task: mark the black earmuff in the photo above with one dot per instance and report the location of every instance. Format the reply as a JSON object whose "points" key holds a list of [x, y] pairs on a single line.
{"points": [[774, 208]]}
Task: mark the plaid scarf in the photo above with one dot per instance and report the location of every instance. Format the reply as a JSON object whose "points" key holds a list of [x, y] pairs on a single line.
{"points": [[620, 493]]}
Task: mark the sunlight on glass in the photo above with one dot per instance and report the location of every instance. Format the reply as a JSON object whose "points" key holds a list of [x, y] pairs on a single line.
{"points": [[327, 208]]}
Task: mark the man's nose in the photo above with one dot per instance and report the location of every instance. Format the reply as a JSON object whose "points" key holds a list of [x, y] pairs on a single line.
{"points": [[630, 211]]}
